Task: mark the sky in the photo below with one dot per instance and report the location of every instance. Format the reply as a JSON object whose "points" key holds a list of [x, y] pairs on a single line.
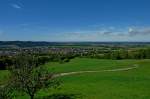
{"points": [[75, 20]]}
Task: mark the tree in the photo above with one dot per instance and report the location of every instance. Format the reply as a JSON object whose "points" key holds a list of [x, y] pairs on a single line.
{"points": [[30, 78], [116, 55], [6, 91]]}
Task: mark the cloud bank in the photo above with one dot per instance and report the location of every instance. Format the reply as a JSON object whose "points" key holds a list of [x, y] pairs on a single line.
{"points": [[107, 34], [129, 33], [139, 31]]}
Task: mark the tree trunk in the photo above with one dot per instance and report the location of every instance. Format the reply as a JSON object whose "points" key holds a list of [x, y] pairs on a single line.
{"points": [[31, 96]]}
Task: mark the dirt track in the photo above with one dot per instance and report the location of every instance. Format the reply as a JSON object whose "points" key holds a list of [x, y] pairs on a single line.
{"points": [[111, 70]]}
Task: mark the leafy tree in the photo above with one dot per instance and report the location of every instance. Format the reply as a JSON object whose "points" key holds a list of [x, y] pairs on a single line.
{"points": [[30, 78], [6, 91]]}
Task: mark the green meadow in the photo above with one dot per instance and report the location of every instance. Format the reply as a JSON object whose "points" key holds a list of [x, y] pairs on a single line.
{"points": [[129, 84]]}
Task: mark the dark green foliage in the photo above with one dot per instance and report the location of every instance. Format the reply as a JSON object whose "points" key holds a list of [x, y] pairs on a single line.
{"points": [[29, 77], [6, 91], [120, 54], [43, 59], [5, 62]]}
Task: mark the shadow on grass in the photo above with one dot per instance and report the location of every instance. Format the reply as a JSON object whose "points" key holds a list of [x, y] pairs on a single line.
{"points": [[63, 96]]}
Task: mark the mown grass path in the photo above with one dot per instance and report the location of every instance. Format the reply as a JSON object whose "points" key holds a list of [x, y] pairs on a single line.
{"points": [[109, 70]]}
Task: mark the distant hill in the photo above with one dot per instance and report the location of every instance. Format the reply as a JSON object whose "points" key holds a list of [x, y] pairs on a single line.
{"points": [[42, 43]]}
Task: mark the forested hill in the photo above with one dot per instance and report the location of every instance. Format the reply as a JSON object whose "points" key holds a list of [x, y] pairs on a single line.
{"points": [[44, 43], [23, 43]]}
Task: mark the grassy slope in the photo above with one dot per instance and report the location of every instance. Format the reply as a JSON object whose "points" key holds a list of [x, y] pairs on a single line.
{"points": [[132, 84], [82, 64], [3, 76]]}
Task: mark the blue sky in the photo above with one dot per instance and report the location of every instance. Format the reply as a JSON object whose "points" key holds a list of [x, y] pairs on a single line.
{"points": [[75, 20]]}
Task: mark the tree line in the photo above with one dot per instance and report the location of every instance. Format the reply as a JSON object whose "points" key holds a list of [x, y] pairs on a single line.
{"points": [[61, 57], [7, 61], [120, 54]]}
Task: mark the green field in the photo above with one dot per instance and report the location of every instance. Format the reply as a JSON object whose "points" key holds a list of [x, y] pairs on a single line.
{"points": [[84, 64], [131, 84]]}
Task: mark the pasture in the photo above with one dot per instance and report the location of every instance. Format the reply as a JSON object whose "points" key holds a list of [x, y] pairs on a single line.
{"points": [[127, 84]]}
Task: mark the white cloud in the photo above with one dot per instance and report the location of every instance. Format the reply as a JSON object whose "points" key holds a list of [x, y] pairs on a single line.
{"points": [[130, 29], [139, 31], [16, 6], [107, 34]]}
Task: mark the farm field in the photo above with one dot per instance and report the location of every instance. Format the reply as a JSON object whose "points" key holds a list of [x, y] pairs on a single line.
{"points": [[128, 84]]}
